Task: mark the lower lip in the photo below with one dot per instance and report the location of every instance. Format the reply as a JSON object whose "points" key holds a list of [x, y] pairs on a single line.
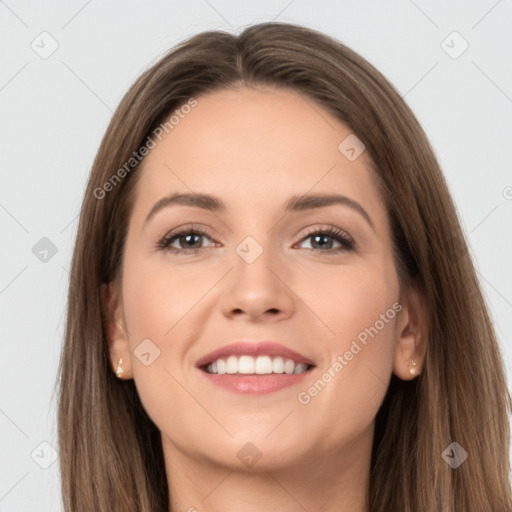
{"points": [[255, 384]]}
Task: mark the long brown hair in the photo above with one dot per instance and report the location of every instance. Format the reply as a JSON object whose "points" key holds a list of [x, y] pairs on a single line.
{"points": [[110, 451]]}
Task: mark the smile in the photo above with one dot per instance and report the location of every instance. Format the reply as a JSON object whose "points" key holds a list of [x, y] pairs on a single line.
{"points": [[261, 365]]}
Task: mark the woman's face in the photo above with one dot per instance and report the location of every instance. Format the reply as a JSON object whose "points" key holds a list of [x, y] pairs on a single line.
{"points": [[316, 280]]}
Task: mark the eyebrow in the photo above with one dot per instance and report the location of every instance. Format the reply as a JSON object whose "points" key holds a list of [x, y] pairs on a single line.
{"points": [[294, 204]]}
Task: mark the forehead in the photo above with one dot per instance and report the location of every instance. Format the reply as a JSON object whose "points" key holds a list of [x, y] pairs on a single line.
{"points": [[254, 148]]}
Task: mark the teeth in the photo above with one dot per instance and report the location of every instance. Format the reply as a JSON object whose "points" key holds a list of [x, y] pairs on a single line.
{"points": [[263, 365], [260, 365], [245, 364], [300, 368], [278, 365], [289, 366], [232, 364]]}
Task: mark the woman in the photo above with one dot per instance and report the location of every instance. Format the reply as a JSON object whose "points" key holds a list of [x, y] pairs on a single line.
{"points": [[271, 302]]}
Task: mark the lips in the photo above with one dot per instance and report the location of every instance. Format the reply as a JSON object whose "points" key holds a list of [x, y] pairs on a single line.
{"points": [[255, 350], [250, 368]]}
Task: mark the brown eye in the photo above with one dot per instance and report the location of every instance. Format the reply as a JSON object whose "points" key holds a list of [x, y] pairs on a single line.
{"points": [[184, 240], [323, 240]]}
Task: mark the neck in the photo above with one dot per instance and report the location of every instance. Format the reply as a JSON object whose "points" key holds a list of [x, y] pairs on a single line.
{"points": [[330, 481]]}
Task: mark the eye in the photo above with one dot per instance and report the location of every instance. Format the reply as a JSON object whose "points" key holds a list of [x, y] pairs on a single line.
{"points": [[186, 239], [323, 240], [189, 239]]}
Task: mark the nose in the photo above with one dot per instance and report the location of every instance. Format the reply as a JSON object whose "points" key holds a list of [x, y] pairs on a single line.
{"points": [[259, 290]]}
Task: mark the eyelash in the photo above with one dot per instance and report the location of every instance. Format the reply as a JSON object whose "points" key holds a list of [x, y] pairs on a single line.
{"points": [[332, 232]]}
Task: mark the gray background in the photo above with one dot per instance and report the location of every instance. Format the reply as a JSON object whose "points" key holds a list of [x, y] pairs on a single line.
{"points": [[55, 111]]}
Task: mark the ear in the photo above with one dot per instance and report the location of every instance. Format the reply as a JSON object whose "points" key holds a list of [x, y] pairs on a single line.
{"points": [[412, 332], [117, 336]]}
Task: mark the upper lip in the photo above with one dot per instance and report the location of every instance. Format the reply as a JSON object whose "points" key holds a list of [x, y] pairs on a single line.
{"points": [[250, 348]]}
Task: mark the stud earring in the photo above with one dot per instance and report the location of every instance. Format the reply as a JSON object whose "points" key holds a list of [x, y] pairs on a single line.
{"points": [[119, 371], [412, 371]]}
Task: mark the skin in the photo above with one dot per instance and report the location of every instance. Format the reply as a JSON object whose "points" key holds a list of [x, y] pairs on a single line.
{"points": [[254, 148]]}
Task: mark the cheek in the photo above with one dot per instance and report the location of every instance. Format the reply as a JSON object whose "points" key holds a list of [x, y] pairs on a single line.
{"points": [[153, 302], [155, 306], [156, 296], [166, 305], [352, 380], [349, 300]]}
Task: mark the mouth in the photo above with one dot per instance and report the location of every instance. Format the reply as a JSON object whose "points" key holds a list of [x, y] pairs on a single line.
{"points": [[261, 365], [254, 368]]}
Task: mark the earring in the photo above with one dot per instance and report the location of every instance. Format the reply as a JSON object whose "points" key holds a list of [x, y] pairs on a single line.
{"points": [[119, 371], [412, 371]]}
